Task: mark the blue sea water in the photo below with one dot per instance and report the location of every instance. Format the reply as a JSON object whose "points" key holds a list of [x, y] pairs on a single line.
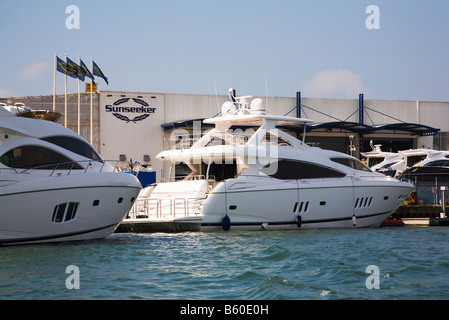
{"points": [[412, 263]]}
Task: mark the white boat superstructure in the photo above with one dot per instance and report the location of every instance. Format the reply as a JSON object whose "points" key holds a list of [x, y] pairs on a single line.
{"points": [[396, 163], [376, 155], [265, 178], [55, 187], [434, 158]]}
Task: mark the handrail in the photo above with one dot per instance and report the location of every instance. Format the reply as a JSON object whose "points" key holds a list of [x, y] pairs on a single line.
{"points": [[159, 204], [188, 178], [361, 177]]}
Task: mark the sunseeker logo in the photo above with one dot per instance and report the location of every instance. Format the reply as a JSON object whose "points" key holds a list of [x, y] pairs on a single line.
{"points": [[142, 107]]}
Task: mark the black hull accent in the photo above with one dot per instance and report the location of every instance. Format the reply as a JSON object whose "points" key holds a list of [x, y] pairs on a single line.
{"points": [[292, 222], [52, 238]]}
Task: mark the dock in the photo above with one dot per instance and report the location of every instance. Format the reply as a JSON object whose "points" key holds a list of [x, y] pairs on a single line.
{"points": [[420, 215], [155, 225]]}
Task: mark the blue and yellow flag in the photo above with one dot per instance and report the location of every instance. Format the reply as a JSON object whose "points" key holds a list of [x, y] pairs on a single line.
{"points": [[86, 70], [98, 72], [79, 73], [61, 66], [66, 68]]}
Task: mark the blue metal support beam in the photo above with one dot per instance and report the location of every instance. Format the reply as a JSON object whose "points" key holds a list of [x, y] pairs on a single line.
{"points": [[361, 111], [298, 104]]}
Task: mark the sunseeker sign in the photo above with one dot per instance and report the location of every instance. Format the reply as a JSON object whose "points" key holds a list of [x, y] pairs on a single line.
{"points": [[130, 109]]}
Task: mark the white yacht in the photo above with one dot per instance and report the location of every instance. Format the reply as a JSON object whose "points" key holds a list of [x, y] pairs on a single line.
{"points": [[21, 110], [54, 186], [395, 164], [263, 178], [436, 158]]}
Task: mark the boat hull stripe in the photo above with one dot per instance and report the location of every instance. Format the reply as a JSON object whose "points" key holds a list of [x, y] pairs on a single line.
{"points": [[215, 224], [53, 237]]}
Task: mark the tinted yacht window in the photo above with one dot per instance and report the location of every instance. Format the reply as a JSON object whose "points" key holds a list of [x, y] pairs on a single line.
{"points": [[352, 163], [293, 169], [26, 157], [75, 145]]}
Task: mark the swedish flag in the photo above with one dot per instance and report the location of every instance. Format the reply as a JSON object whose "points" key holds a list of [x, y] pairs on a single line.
{"points": [[86, 70], [79, 73], [61, 66], [98, 72], [70, 69]]}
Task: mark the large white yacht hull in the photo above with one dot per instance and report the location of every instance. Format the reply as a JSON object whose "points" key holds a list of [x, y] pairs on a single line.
{"points": [[292, 204], [28, 209]]}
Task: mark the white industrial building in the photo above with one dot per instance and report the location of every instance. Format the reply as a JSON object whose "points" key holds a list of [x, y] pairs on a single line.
{"points": [[138, 125]]}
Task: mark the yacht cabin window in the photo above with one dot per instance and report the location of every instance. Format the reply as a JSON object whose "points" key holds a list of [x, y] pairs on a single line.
{"points": [[75, 145], [352, 163], [294, 169], [37, 157]]}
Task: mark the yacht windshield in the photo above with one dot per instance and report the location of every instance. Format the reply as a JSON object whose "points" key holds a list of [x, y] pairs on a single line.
{"points": [[271, 138], [75, 145]]}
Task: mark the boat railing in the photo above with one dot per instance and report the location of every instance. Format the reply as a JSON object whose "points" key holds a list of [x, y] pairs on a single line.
{"points": [[210, 178], [67, 168], [362, 177], [380, 178], [165, 208], [183, 141], [248, 176]]}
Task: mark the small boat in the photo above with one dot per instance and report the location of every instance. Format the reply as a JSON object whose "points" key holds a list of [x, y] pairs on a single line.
{"points": [[54, 186], [392, 223], [263, 178], [21, 110]]}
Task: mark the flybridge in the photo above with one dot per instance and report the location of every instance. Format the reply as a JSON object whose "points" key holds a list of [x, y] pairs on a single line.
{"points": [[239, 111]]}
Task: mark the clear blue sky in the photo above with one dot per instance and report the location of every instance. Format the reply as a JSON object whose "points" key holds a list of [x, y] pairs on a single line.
{"points": [[319, 47]]}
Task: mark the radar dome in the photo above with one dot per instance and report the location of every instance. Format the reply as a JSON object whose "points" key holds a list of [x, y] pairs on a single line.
{"points": [[258, 106], [228, 108]]}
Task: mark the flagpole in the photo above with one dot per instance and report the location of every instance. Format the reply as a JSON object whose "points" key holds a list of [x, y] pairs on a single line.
{"points": [[91, 101], [65, 99], [54, 84], [79, 98]]}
